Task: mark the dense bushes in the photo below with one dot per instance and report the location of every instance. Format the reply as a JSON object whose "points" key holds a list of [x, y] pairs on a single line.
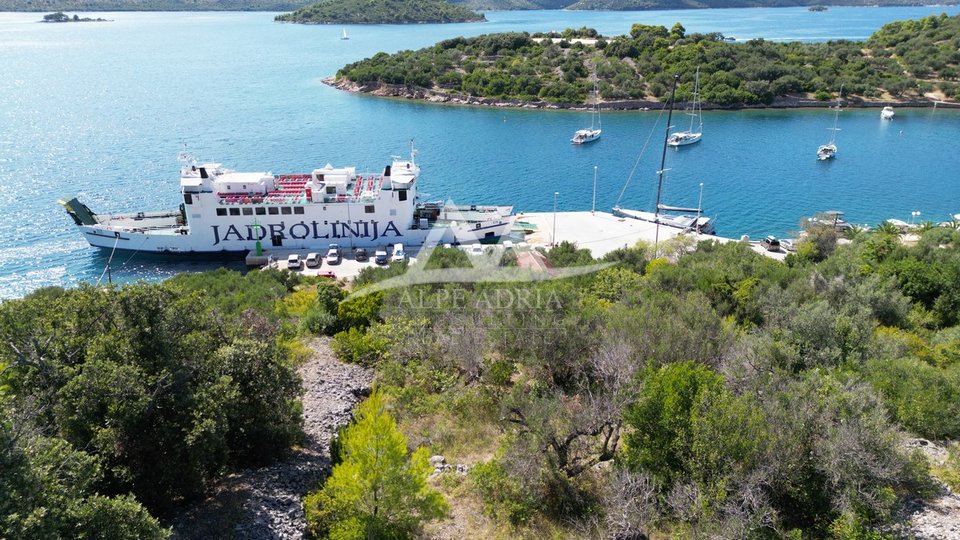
{"points": [[723, 394], [163, 387], [641, 65], [380, 12]]}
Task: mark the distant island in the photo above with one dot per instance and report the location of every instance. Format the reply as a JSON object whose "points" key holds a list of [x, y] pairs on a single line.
{"points": [[61, 17], [150, 5], [380, 12], [904, 62], [640, 5], [290, 5]]}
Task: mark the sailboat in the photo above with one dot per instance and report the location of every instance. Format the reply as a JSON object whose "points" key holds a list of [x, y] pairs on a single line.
{"points": [[687, 218], [829, 150], [344, 35], [683, 138], [582, 136]]}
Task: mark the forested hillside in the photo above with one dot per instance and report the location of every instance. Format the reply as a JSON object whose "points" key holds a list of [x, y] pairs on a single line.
{"points": [[905, 59], [119, 404], [151, 5], [708, 391], [724, 395], [620, 5], [380, 12]]}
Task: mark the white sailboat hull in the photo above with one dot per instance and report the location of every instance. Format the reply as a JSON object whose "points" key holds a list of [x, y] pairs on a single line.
{"points": [[683, 138], [583, 136], [701, 224], [826, 151]]}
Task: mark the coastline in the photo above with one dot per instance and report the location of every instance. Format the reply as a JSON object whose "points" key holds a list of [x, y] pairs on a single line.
{"points": [[447, 98]]}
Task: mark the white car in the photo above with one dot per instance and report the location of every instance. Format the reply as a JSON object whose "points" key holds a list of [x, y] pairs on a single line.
{"points": [[294, 262], [476, 249], [313, 260], [333, 254], [398, 254]]}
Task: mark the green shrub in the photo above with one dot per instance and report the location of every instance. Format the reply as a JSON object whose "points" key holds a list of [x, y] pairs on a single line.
{"points": [[501, 495]]}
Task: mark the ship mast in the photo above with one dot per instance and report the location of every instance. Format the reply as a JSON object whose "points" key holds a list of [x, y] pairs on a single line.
{"points": [[663, 161]]}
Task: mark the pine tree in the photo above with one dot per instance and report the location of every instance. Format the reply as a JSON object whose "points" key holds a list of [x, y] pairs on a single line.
{"points": [[377, 491]]}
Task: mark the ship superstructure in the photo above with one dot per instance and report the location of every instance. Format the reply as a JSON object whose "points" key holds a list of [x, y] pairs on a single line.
{"points": [[228, 211]]}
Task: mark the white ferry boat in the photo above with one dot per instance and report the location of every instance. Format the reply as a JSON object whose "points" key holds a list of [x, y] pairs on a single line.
{"points": [[230, 211]]}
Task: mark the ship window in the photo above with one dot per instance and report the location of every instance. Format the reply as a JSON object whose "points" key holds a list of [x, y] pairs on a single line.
{"points": [[297, 209], [221, 211], [402, 195], [331, 190], [188, 198], [234, 211], [285, 210], [369, 209], [261, 210], [248, 211], [273, 210]]}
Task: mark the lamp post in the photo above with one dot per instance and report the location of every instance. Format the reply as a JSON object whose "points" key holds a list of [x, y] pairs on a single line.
{"points": [[553, 237], [699, 206], [593, 208]]}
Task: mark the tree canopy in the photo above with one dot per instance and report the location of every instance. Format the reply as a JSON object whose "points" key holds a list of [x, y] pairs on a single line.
{"points": [[902, 60], [380, 12]]}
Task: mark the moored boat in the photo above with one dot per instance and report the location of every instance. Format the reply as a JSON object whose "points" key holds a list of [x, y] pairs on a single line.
{"points": [[582, 136], [230, 211], [687, 219], [829, 150], [887, 113], [689, 136]]}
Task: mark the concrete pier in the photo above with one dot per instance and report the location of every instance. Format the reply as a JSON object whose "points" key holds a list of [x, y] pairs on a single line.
{"points": [[600, 232]]}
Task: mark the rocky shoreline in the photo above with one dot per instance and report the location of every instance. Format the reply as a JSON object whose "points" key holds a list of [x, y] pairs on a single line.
{"points": [[441, 97], [265, 503]]}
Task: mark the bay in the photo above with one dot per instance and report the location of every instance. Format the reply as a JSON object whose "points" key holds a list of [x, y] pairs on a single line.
{"points": [[102, 109]]}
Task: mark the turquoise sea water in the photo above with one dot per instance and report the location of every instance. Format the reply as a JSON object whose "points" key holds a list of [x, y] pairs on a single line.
{"points": [[101, 110]]}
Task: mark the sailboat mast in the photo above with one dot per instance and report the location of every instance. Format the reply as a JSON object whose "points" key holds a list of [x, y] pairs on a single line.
{"points": [[663, 156], [694, 113], [836, 117]]}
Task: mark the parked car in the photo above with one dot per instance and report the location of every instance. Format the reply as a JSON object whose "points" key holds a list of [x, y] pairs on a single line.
{"points": [[360, 254], [333, 254], [380, 255], [770, 243], [398, 254], [294, 262], [476, 249], [314, 260]]}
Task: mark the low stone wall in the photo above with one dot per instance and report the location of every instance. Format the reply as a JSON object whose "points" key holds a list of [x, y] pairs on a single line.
{"points": [[439, 96]]}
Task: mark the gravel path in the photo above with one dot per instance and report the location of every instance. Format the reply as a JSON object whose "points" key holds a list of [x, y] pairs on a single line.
{"points": [[265, 503]]}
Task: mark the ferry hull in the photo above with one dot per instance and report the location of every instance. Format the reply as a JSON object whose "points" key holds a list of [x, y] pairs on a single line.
{"points": [[173, 243], [225, 211]]}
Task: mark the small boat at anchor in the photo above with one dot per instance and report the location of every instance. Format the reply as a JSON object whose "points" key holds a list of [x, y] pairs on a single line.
{"points": [[686, 219], [829, 150], [887, 113], [683, 138], [583, 136]]}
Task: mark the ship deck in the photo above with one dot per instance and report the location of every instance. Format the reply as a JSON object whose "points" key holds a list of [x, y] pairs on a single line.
{"points": [[142, 222], [292, 189]]}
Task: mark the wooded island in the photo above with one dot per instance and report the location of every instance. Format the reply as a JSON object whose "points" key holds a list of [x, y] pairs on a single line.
{"points": [[905, 60]]}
